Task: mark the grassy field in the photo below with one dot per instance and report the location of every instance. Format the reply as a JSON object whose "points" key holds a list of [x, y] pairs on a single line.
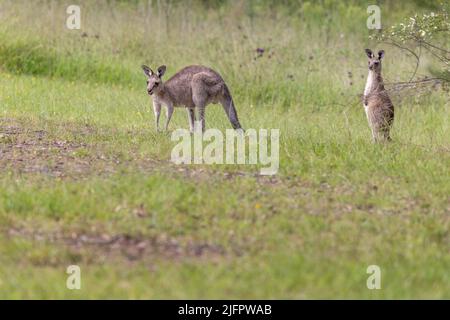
{"points": [[85, 179]]}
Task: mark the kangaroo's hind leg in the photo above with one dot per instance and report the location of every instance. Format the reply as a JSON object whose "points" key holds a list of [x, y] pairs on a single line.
{"points": [[200, 104], [386, 135], [200, 97], [201, 115], [389, 118], [191, 116]]}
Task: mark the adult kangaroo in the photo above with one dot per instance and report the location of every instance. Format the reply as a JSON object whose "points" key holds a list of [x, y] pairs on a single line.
{"points": [[193, 87], [377, 104]]}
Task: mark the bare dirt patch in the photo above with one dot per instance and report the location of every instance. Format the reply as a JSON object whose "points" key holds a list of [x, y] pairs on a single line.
{"points": [[25, 150], [103, 247]]}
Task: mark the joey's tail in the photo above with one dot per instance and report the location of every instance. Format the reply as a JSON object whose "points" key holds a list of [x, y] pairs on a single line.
{"points": [[228, 105]]}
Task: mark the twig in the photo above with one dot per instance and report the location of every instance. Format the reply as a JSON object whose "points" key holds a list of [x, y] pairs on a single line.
{"points": [[417, 64], [443, 59], [410, 51], [436, 47], [414, 82]]}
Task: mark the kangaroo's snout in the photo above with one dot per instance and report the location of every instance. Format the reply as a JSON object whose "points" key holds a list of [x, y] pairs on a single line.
{"points": [[374, 65]]}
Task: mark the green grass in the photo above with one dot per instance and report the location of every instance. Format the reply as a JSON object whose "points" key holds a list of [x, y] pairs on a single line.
{"points": [[81, 162]]}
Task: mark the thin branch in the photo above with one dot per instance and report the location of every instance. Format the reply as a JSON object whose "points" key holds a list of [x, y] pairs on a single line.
{"points": [[416, 82], [434, 46], [417, 64], [443, 59], [440, 57], [401, 47], [410, 51]]}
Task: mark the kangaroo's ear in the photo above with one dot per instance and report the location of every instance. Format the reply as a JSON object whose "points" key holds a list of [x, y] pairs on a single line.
{"points": [[147, 71], [380, 54], [161, 71], [369, 53]]}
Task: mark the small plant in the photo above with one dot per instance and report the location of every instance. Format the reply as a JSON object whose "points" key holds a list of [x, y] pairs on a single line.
{"points": [[427, 32]]}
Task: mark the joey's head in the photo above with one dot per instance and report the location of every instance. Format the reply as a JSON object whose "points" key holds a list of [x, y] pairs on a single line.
{"points": [[375, 60], [154, 81]]}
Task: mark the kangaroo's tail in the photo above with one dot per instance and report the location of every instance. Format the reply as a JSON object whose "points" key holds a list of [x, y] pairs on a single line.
{"points": [[228, 105]]}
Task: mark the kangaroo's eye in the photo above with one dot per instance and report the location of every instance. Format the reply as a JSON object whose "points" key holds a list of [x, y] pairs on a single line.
{"points": [[156, 84]]}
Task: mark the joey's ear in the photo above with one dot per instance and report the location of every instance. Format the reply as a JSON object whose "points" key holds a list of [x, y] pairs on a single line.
{"points": [[161, 71], [380, 54], [369, 53], [147, 71]]}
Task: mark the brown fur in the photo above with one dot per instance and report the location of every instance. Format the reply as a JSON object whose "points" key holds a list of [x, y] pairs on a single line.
{"points": [[377, 104]]}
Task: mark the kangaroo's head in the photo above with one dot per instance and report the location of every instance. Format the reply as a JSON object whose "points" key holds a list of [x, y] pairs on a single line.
{"points": [[375, 61], [154, 81]]}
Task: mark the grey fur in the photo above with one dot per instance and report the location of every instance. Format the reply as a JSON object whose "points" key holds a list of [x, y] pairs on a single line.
{"points": [[193, 87]]}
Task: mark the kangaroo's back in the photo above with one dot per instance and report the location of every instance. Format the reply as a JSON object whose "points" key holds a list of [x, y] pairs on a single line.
{"points": [[185, 75], [181, 84]]}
